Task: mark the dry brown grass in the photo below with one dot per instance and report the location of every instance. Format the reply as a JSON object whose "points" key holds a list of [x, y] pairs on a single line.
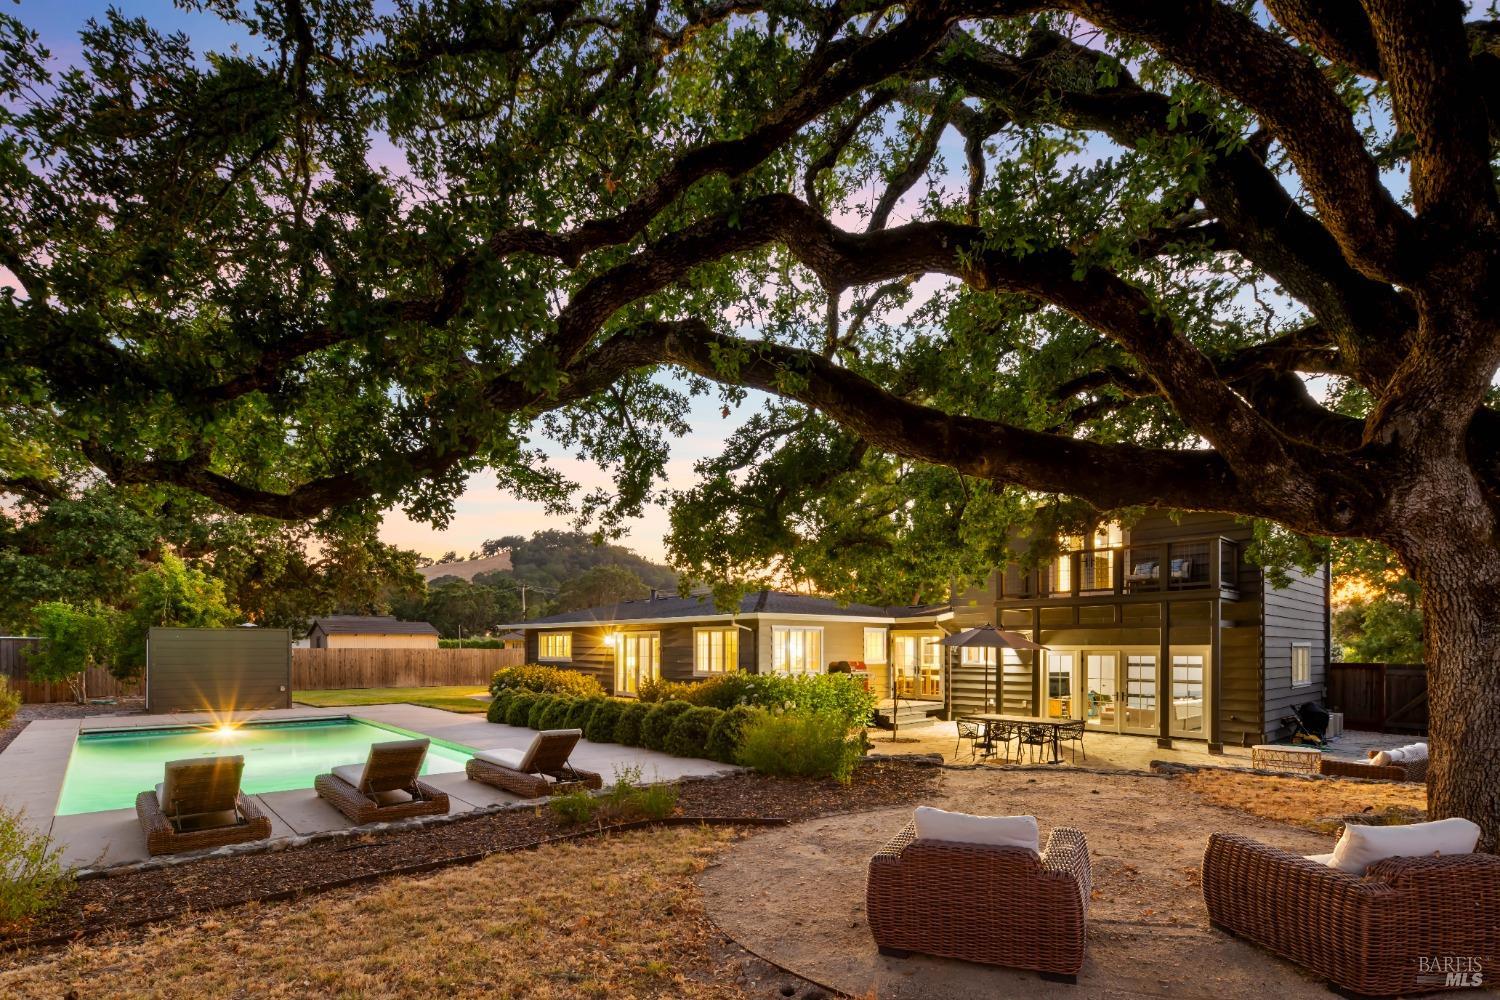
{"points": [[617, 917], [1312, 805]]}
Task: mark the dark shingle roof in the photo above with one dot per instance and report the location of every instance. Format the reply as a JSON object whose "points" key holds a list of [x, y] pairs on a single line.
{"points": [[371, 625], [760, 602]]}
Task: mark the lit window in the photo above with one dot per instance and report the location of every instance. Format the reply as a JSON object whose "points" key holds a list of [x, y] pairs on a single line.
{"points": [[975, 656], [554, 646], [796, 650], [716, 650], [1301, 664]]}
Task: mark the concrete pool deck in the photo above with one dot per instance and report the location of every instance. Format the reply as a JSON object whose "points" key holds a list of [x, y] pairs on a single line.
{"points": [[33, 767]]}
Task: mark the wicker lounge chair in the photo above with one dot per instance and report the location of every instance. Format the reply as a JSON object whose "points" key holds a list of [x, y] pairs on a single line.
{"points": [[385, 787], [1413, 770], [1367, 935], [541, 769], [997, 905], [199, 805]]}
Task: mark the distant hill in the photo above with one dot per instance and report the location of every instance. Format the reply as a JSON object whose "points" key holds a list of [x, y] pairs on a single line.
{"points": [[466, 569], [549, 559]]}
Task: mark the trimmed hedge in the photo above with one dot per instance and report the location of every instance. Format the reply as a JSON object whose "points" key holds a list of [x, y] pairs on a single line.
{"points": [[547, 680], [724, 739], [658, 690], [605, 719], [688, 736], [658, 723], [539, 708], [628, 732], [519, 713], [557, 714], [582, 711], [499, 706]]}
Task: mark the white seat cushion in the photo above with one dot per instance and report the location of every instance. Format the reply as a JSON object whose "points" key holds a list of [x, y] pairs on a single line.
{"points": [[992, 831], [1408, 754], [505, 758], [1362, 846], [1322, 859], [352, 773]]}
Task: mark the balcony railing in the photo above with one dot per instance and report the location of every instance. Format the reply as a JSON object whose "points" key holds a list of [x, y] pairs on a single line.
{"points": [[1207, 563]]}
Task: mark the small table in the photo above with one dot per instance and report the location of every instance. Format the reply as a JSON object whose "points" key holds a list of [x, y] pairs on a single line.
{"points": [[992, 721], [1297, 760]]}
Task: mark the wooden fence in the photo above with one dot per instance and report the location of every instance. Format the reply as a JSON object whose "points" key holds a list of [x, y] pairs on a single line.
{"points": [[14, 668], [325, 669], [1383, 697]]}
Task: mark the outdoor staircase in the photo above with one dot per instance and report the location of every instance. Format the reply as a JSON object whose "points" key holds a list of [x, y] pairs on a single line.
{"points": [[907, 714]]}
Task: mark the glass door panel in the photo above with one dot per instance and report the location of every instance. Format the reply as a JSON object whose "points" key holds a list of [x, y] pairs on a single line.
{"points": [[904, 669], [1187, 694], [637, 660], [1102, 711], [930, 672], [1140, 692], [1060, 668]]}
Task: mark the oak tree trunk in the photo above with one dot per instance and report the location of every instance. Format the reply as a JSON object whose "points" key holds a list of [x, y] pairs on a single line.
{"points": [[1460, 579]]}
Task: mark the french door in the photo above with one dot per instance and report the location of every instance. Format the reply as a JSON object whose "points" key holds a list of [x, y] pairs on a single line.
{"points": [[637, 660], [1101, 690], [1119, 691], [1062, 665]]}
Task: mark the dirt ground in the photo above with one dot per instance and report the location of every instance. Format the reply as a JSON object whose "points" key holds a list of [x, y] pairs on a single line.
{"points": [[796, 896]]}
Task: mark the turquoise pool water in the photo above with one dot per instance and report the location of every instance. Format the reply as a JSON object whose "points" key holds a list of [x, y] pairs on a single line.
{"points": [[108, 770]]}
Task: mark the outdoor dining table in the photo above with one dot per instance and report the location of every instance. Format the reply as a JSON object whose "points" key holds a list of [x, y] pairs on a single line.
{"points": [[993, 722]]}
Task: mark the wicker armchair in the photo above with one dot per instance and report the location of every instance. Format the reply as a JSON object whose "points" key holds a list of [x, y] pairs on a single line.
{"points": [[997, 905], [1415, 770], [1365, 935]]}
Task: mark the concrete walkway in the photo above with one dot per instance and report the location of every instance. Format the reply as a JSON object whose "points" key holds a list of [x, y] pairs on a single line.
{"points": [[33, 767]]}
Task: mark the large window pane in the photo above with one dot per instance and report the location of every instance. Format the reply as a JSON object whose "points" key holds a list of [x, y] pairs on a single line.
{"points": [[1187, 694]]}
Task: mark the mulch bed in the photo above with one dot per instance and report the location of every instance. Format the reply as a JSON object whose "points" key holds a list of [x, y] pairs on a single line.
{"points": [[135, 897]]}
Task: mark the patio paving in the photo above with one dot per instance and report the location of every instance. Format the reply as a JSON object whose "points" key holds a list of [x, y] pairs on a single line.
{"points": [[1113, 751], [796, 896], [33, 767]]}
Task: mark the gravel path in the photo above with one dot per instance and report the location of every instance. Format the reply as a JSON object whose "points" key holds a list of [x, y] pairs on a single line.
{"points": [[796, 896]]}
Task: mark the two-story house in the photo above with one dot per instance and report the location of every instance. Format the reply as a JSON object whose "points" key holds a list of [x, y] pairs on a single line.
{"points": [[1160, 629]]}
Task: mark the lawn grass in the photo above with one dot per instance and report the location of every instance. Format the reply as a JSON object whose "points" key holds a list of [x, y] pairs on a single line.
{"points": [[607, 917], [452, 698]]}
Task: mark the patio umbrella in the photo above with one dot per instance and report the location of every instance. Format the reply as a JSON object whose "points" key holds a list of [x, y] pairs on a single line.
{"points": [[990, 637]]}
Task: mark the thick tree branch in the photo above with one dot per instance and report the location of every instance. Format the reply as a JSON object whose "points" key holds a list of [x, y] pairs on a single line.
{"points": [[1226, 49]]}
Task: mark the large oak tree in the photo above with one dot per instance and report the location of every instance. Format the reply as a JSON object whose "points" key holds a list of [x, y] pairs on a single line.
{"points": [[365, 254]]}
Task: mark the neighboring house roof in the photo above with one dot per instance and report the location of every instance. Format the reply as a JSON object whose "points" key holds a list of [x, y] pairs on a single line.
{"points": [[371, 625], [515, 635], [770, 603]]}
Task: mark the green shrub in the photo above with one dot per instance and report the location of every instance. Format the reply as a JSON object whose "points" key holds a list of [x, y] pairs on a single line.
{"points": [[724, 739], [577, 806], [799, 745], [628, 731], [628, 798], [839, 692], [519, 712], [485, 642], [556, 716], [656, 691], [32, 876], [10, 702], [604, 721], [539, 709], [658, 723], [546, 680], [499, 706], [582, 711], [688, 736]]}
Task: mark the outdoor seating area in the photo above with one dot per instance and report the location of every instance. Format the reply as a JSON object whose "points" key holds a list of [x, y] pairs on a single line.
{"points": [[543, 768], [199, 805], [1014, 738]]}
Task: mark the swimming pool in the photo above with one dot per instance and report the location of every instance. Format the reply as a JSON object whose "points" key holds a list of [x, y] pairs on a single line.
{"points": [[108, 769]]}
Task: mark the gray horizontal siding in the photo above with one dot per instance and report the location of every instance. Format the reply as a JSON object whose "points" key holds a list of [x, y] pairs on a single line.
{"points": [[230, 669]]}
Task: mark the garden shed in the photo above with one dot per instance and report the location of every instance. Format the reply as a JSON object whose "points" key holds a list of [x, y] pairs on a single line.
{"points": [[218, 669]]}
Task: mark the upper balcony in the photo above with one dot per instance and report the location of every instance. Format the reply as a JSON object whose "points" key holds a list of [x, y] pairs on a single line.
{"points": [[1209, 563]]}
